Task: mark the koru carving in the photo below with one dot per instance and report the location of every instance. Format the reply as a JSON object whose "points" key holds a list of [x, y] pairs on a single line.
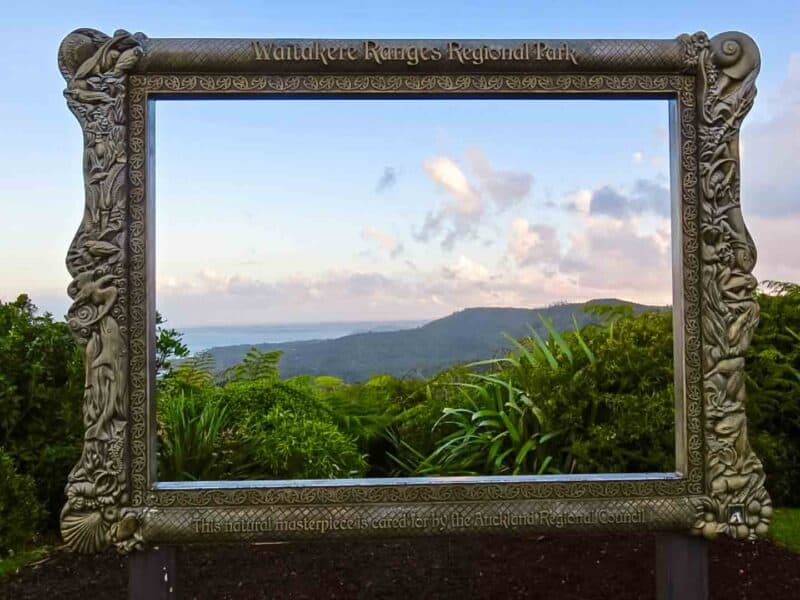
{"points": [[737, 502], [95, 67]]}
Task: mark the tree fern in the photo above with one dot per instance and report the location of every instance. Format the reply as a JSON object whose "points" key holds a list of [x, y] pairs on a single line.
{"points": [[256, 365]]}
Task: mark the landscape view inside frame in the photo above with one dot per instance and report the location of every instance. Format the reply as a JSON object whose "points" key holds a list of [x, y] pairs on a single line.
{"points": [[406, 287]]}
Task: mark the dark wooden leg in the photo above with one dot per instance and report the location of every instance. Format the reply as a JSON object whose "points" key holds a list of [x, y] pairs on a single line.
{"points": [[681, 567], [151, 574]]}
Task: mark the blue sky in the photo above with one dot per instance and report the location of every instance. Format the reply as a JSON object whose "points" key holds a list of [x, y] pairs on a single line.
{"points": [[40, 146], [404, 209]]}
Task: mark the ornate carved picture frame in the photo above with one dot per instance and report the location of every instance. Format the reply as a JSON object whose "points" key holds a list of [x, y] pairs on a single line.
{"points": [[113, 496]]}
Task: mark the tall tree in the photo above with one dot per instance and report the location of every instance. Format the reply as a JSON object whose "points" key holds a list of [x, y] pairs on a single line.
{"points": [[169, 345]]}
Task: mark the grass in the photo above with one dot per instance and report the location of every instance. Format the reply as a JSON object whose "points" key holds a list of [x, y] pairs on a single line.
{"points": [[785, 528], [13, 563]]}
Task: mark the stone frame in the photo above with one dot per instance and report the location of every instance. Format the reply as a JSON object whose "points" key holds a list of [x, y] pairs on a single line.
{"points": [[112, 493]]}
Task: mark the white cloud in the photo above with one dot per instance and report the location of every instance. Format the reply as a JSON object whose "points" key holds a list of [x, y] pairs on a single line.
{"points": [[778, 250], [619, 245], [605, 257], [578, 201], [357, 295], [238, 299], [644, 196], [466, 269], [459, 216], [505, 188], [770, 177], [466, 209], [620, 258], [449, 176], [385, 240], [533, 244]]}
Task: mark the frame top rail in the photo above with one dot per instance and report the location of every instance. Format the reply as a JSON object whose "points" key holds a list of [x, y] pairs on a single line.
{"points": [[417, 56]]}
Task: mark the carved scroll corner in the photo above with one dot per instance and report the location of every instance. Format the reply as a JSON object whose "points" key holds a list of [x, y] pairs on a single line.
{"points": [[86, 51], [88, 531], [735, 54]]}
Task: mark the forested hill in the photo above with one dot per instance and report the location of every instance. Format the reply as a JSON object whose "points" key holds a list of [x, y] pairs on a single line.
{"points": [[468, 335]]}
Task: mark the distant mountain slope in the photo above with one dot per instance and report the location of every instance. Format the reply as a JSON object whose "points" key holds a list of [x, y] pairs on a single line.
{"points": [[468, 335]]}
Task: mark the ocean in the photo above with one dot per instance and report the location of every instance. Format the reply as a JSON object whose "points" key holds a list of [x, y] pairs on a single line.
{"points": [[203, 338]]}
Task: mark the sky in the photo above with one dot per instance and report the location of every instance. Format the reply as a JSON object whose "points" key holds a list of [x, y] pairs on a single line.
{"points": [[331, 210], [422, 212]]}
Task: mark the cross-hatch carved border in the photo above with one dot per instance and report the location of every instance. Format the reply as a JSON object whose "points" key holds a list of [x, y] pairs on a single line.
{"points": [[143, 87]]}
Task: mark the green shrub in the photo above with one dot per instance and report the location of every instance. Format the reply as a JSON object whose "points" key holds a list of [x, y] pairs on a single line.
{"points": [[619, 410], [289, 432], [196, 438], [366, 412], [262, 429], [41, 392], [607, 388], [247, 399], [635, 436], [286, 445], [414, 427], [50, 474], [169, 345], [773, 390], [192, 375], [363, 411], [501, 432], [328, 383], [20, 511], [255, 365]]}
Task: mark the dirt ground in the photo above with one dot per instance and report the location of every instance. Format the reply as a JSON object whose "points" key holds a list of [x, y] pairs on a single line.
{"points": [[565, 566]]}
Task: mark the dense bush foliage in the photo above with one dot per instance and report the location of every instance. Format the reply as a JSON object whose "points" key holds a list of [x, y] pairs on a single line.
{"points": [[19, 509], [41, 388], [773, 387], [169, 345], [614, 403], [364, 412], [195, 436], [500, 431], [253, 429], [289, 432], [423, 408], [597, 398]]}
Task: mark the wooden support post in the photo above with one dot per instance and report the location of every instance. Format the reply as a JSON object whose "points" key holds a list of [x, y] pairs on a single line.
{"points": [[681, 567], [151, 574]]}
